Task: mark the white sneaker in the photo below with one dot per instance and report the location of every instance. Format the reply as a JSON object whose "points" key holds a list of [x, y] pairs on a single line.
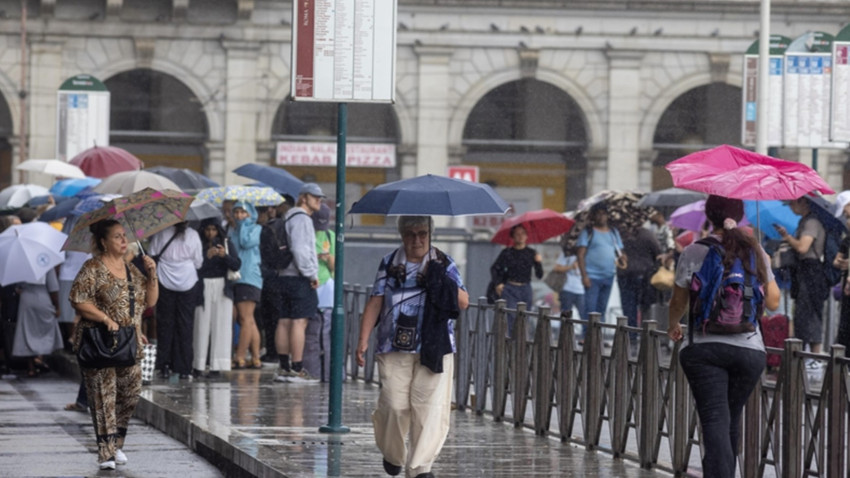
{"points": [[108, 465], [813, 365], [282, 376], [302, 377], [120, 457]]}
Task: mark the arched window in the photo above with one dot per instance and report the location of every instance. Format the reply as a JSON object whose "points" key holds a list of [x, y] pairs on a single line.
{"points": [[702, 118], [158, 118], [528, 139]]}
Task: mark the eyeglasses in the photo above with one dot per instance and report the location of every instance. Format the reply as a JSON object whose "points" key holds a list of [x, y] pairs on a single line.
{"points": [[410, 235]]}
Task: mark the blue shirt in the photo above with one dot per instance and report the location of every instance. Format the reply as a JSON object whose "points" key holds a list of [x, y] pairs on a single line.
{"points": [[600, 262], [407, 298]]}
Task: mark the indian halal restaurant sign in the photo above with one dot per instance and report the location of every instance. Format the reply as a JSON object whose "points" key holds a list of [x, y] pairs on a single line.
{"points": [[357, 155]]}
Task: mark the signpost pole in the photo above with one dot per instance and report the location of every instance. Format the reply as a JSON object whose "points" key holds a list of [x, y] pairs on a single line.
{"points": [[338, 318], [763, 78]]}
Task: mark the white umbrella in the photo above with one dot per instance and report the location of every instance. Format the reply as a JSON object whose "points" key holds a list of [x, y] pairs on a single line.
{"points": [[17, 195], [129, 182], [29, 251], [52, 167]]}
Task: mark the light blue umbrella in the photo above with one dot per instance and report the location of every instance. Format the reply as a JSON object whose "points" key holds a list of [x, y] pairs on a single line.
{"points": [[764, 214], [70, 187]]}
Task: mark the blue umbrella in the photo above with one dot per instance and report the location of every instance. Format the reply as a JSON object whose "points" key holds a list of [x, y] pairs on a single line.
{"points": [[185, 178], [70, 187], [770, 213], [277, 178], [431, 195], [63, 208]]}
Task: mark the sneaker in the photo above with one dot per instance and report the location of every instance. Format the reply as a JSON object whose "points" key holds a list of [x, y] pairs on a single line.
{"points": [[284, 376], [812, 364], [108, 464], [120, 457], [302, 377]]}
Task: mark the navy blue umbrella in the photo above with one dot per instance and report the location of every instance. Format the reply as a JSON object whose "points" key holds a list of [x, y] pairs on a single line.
{"points": [[431, 195], [278, 179], [185, 178], [63, 208]]}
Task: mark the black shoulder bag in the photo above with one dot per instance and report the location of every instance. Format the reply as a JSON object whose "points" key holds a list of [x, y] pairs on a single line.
{"points": [[101, 348]]}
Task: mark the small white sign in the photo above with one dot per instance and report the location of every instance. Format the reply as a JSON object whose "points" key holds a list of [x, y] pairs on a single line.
{"points": [[357, 155]]}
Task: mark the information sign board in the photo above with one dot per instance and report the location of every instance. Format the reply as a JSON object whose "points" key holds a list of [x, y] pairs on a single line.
{"points": [[343, 51], [749, 126], [82, 116], [839, 104]]}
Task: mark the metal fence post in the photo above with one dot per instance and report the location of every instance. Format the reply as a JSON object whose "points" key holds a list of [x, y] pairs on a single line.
{"points": [[681, 412], [519, 366], [481, 362], [618, 404], [542, 373], [567, 382], [649, 402], [836, 414], [593, 381], [463, 357], [792, 408], [500, 361]]}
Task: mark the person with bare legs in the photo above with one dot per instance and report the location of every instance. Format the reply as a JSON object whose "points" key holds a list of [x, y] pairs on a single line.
{"points": [[245, 236]]}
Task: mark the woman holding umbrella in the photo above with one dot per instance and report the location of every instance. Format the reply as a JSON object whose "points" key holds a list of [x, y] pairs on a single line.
{"points": [[511, 272], [111, 293]]}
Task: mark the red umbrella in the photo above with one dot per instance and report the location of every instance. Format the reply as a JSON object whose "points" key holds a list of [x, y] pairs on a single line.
{"points": [[104, 161], [741, 174], [540, 225]]}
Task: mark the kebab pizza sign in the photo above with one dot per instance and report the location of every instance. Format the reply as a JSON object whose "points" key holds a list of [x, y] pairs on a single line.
{"points": [[357, 155]]}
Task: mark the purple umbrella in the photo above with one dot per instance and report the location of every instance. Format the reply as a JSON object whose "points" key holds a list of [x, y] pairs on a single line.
{"points": [[691, 217]]}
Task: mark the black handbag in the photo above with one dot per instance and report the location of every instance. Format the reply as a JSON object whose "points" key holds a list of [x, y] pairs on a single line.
{"points": [[101, 348]]}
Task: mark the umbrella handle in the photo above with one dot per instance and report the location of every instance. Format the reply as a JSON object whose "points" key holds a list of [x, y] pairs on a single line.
{"points": [[141, 249]]}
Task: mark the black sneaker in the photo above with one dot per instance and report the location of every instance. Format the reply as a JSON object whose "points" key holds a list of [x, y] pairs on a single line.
{"points": [[425, 475], [391, 469], [165, 373]]}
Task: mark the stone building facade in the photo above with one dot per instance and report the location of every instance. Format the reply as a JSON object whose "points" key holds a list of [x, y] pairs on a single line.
{"points": [[552, 99]]}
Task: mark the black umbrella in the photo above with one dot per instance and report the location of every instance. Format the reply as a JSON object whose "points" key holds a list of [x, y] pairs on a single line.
{"points": [[670, 198], [185, 178]]}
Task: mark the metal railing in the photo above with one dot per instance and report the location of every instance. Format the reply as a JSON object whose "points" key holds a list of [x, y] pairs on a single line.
{"points": [[634, 406]]}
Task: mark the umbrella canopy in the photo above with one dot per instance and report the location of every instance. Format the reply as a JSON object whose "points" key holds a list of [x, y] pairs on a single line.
{"points": [[741, 174], [258, 196], [17, 195], [186, 179], [143, 214], [431, 195], [623, 213], [841, 200], [63, 208], [279, 179], [540, 225], [128, 182], [29, 251], [104, 161], [764, 214], [691, 217], [670, 197], [200, 210], [72, 187], [52, 167]]}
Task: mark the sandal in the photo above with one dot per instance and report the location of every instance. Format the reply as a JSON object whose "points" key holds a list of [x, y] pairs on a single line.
{"points": [[238, 363], [256, 363], [41, 365]]}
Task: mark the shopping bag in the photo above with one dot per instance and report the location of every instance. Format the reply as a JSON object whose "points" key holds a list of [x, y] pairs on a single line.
{"points": [[148, 363]]}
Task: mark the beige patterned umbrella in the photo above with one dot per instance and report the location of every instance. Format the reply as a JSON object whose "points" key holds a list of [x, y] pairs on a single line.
{"points": [[143, 214]]}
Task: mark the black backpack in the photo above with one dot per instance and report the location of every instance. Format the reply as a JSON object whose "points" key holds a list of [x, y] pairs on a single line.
{"points": [[276, 254]]}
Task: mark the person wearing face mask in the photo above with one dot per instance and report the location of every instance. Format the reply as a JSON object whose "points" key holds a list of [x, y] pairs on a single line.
{"points": [[511, 272]]}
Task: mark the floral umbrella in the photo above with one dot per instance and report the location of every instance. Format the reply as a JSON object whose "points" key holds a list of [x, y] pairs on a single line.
{"points": [[143, 214], [624, 213], [258, 196]]}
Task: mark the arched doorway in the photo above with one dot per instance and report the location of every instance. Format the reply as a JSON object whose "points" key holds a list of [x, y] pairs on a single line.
{"points": [[6, 132], [529, 138], [702, 118], [304, 123], [158, 118]]}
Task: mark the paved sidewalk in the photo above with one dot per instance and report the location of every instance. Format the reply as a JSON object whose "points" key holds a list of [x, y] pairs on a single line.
{"points": [[39, 438]]}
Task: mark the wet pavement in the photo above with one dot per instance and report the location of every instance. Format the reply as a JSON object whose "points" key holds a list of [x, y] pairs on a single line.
{"points": [[38, 437], [267, 428]]}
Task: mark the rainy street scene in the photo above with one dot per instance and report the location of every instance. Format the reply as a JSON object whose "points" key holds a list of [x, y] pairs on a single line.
{"points": [[425, 238]]}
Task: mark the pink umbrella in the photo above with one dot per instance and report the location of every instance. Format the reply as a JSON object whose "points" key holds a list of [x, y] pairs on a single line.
{"points": [[104, 161], [741, 174], [691, 217]]}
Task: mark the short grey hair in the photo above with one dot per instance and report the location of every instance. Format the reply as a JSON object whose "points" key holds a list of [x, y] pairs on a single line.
{"points": [[406, 223]]}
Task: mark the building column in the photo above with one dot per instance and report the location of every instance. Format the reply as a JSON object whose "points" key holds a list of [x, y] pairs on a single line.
{"points": [[45, 78], [432, 153], [623, 119], [597, 171], [240, 138], [216, 166]]}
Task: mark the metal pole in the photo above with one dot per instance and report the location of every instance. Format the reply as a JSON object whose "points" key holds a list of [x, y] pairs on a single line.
{"points": [[22, 93], [763, 79], [815, 159], [338, 319]]}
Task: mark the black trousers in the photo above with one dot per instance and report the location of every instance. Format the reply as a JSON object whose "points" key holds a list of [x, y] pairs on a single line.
{"points": [[175, 321]]}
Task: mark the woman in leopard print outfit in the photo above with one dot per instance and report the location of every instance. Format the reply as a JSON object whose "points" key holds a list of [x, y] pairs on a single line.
{"points": [[101, 295]]}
